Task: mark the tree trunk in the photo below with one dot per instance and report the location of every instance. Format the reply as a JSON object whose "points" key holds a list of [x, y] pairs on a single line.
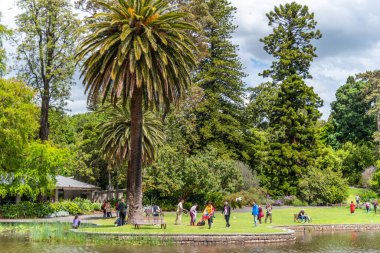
{"points": [[44, 121], [134, 187]]}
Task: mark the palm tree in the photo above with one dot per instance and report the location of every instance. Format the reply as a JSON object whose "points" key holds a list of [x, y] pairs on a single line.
{"points": [[115, 134], [139, 50]]}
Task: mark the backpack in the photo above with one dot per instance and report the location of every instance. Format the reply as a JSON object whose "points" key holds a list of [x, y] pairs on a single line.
{"points": [[201, 223]]}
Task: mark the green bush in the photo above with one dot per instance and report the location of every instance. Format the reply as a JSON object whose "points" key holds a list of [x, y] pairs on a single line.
{"points": [[96, 206], [323, 187], [84, 204], [40, 210], [298, 202], [367, 195], [258, 195]]}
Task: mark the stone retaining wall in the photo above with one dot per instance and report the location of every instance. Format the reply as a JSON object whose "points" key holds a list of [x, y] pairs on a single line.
{"points": [[334, 227], [202, 239]]}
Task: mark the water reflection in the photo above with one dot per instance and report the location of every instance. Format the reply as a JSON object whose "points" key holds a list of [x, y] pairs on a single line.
{"points": [[337, 242]]}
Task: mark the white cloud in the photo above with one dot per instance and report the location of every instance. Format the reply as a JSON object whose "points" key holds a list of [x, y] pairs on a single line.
{"points": [[350, 42]]}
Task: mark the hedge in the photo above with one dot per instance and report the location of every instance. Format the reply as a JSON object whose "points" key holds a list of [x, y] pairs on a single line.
{"points": [[43, 209]]}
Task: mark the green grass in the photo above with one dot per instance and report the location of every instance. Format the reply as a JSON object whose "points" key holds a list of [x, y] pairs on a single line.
{"points": [[352, 192], [243, 222]]}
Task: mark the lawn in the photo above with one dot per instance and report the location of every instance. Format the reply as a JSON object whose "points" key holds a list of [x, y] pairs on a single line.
{"points": [[242, 222], [352, 192]]}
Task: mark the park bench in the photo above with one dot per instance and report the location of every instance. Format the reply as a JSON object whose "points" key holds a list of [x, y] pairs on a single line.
{"points": [[141, 220], [296, 219]]}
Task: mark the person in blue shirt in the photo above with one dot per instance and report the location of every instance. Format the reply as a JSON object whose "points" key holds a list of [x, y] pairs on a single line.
{"points": [[255, 212]]}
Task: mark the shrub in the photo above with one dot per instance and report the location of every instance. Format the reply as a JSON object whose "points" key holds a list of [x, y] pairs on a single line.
{"points": [[321, 187], [67, 206], [45, 209], [258, 195], [367, 195], [84, 204]]}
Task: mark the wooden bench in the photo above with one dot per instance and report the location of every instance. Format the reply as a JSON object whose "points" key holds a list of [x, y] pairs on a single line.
{"points": [[149, 220]]}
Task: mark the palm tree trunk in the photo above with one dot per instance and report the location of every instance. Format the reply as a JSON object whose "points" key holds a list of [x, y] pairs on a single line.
{"points": [[135, 162]]}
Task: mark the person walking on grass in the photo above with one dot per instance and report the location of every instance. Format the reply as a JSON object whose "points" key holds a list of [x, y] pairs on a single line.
{"points": [[227, 213], [352, 207], [261, 213], [108, 210], [122, 211], [193, 214], [367, 206], [103, 207], [375, 204], [268, 213], [208, 214], [255, 212], [178, 219], [357, 198]]}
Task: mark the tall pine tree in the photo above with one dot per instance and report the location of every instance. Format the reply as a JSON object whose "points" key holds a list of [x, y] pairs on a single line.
{"points": [[293, 109], [290, 43], [219, 115], [293, 136]]}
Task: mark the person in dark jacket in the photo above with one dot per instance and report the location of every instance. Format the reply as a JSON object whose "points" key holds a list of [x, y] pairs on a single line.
{"points": [[226, 211], [122, 211]]}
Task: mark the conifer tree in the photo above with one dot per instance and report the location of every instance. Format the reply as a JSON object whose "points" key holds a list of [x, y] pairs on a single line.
{"points": [[293, 106], [220, 75], [290, 42], [293, 143]]}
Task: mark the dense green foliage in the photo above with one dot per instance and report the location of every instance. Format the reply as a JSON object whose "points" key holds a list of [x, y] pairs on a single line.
{"points": [[43, 209], [196, 178], [293, 136], [18, 121], [349, 118], [321, 187], [219, 115]]}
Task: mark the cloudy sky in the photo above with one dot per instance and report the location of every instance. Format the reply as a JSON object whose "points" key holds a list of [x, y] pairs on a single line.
{"points": [[350, 42]]}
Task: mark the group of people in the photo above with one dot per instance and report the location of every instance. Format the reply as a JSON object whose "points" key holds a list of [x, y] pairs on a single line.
{"points": [[121, 211], [258, 213], [208, 214], [367, 205], [107, 209]]}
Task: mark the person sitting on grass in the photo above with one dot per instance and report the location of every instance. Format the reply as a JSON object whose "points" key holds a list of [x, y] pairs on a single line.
{"points": [[76, 222], [303, 217]]}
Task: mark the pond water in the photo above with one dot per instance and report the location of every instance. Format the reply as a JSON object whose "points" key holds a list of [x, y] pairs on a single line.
{"points": [[337, 242]]}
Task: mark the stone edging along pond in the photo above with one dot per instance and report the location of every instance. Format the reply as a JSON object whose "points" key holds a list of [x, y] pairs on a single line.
{"points": [[201, 239], [288, 235], [332, 227]]}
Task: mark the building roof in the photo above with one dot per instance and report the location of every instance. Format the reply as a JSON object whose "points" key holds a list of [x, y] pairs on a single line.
{"points": [[67, 182]]}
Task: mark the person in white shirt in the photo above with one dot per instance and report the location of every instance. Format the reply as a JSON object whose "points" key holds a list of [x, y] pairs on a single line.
{"points": [[178, 219]]}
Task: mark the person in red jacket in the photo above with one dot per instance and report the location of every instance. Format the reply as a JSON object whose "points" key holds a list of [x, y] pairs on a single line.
{"points": [[261, 213], [352, 207]]}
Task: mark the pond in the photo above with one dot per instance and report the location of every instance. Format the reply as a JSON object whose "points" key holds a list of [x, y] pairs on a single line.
{"points": [[337, 242]]}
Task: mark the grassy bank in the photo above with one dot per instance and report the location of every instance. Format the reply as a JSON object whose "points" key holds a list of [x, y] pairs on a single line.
{"points": [[242, 222]]}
